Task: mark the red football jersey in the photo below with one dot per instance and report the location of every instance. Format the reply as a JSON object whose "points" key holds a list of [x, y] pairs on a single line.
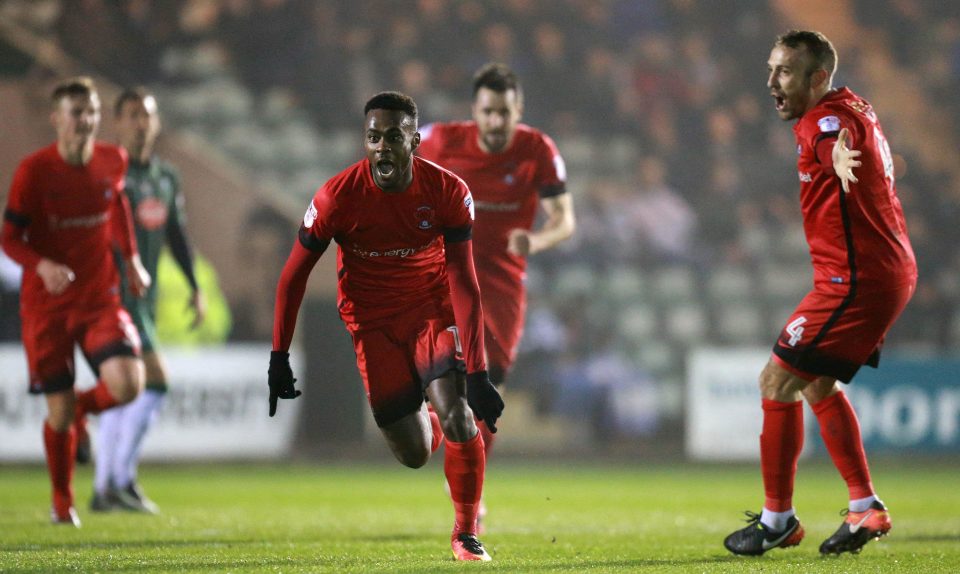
{"points": [[390, 249], [506, 186], [858, 237], [71, 215]]}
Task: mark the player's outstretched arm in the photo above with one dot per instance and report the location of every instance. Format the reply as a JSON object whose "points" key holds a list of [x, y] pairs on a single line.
{"points": [[844, 160], [290, 290], [482, 396], [559, 226]]}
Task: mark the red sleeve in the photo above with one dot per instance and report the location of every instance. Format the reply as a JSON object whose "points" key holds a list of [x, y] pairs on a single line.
{"points": [[465, 294], [290, 289], [824, 150], [123, 234], [17, 216], [823, 140], [552, 171]]}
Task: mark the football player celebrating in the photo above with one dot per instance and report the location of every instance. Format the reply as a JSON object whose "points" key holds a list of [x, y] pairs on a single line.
{"points": [[408, 294], [864, 273]]}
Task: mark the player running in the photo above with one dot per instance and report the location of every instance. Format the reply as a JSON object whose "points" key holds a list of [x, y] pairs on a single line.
{"points": [[864, 274], [153, 189], [511, 168], [408, 295], [65, 214]]}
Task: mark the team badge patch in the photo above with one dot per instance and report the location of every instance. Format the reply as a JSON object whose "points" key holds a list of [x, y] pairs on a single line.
{"points": [[425, 217], [829, 124], [310, 216], [468, 203], [151, 214]]}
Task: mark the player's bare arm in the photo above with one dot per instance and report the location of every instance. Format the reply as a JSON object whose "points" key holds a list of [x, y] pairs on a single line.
{"points": [[844, 160], [559, 226], [139, 278], [198, 302], [56, 277]]}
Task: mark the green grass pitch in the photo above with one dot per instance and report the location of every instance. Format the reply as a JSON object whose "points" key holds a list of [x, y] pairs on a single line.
{"points": [[543, 518]]}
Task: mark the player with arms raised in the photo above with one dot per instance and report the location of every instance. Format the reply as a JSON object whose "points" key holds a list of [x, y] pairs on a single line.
{"points": [[511, 168], [408, 295], [65, 214], [864, 274]]}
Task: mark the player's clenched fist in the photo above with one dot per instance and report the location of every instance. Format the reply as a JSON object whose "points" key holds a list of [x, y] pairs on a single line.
{"points": [[483, 398], [280, 378]]}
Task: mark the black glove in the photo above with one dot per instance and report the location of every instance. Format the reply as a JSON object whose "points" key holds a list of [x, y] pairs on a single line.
{"points": [[484, 399], [280, 378]]}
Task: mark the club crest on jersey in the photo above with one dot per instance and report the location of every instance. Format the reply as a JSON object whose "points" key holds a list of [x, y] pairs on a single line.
{"points": [[829, 124], [425, 217], [310, 216], [151, 214], [468, 203], [509, 179]]}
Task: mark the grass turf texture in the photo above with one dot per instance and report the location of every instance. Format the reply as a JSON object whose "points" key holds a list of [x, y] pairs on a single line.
{"points": [[543, 518]]}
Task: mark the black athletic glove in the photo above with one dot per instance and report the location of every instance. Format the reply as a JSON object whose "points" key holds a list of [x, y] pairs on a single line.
{"points": [[280, 378], [484, 399]]}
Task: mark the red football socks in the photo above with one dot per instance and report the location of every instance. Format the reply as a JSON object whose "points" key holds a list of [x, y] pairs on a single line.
{"points": [[464, 465], [437, 430], [95, 400], [841, 435], [780, 444], [60, 448]]}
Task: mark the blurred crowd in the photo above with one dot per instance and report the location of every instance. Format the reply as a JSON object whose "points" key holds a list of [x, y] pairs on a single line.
{"points": [[677, 160]]}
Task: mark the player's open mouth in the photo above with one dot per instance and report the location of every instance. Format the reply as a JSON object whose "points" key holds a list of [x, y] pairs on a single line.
{"points": [[779, 102], [385, 168]]}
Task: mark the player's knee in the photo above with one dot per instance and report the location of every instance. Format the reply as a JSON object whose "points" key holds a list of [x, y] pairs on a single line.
{"points": [[820, 389], [127, 385], [777, 384], [413, 457], [458, 424], [59, 421]]}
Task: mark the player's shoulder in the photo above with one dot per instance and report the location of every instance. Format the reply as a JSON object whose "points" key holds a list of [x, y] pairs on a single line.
{"points": [[40, 158], [449, 133], [529, 137], [340, 185], [109, 151], [432, 174], [842, 108]]}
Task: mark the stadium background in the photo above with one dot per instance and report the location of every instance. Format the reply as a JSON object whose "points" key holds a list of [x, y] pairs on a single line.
{"points": [[689, 246]]}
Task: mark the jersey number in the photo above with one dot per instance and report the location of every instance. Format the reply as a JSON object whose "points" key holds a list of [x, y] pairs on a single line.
{"points": [[795, 330], [456, 338]]}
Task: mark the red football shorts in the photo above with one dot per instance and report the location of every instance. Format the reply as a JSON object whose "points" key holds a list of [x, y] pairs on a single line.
{"points": [[399, 358], [103, 331], [832, 335], [504, 311]]}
